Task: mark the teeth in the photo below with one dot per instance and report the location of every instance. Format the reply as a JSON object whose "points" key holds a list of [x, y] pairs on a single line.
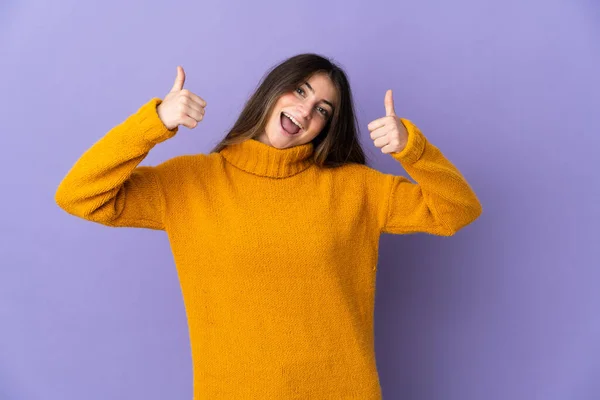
{"points": [[293, 120]]}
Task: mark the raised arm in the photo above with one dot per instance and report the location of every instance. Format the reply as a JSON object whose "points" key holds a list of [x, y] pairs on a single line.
{"points": [[440, 202], [107, 186]]}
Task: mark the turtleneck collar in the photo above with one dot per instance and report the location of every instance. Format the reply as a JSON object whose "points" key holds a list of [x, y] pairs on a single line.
{"points": [[262, 159]]}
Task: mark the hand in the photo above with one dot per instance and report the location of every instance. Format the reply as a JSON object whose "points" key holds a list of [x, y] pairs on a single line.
{"points": [[389, 132], [180, 106]]}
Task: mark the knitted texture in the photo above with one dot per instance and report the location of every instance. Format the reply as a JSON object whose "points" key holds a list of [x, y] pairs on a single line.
{"points": [[276, 257]]}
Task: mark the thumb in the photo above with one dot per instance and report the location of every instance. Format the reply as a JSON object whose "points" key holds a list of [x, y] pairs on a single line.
{"points": [[178, 85], [389, 103]]}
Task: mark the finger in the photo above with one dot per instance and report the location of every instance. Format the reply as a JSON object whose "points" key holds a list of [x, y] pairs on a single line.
{"points": [[380, 132], [190, 104], [377, 123], [387, 148], [194, 113], [389, 103], [191, 121], [197, 99], [179, 81], [381, 141]]}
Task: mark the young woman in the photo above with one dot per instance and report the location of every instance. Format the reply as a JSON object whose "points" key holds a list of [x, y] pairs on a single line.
{"points": [[275, 232]]}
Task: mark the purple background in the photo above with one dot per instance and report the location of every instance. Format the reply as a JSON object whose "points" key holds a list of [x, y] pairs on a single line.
{"points": [[508, 308]]}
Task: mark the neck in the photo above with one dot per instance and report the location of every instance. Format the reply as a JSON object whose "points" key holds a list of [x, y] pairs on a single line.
{"points": [[262, 159]]}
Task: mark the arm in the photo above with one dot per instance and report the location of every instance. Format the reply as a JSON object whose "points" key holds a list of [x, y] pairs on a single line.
{"points": [[107, 186], [440, 203]]}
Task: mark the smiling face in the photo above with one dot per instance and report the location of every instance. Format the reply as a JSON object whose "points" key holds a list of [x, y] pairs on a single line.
{"points": [[310, 105]]}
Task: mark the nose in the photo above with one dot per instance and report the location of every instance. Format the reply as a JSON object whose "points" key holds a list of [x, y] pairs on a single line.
{"points": [[304, 111]]}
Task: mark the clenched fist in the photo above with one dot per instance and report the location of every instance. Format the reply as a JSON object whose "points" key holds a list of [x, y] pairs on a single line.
{"points": [[389, 132], [180, 106]]}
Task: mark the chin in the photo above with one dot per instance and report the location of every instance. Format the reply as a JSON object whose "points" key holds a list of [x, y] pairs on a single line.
{"points": [[276, 139]]}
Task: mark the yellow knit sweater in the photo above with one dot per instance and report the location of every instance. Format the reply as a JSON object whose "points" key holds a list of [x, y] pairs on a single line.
{"points": [[276, 257]]}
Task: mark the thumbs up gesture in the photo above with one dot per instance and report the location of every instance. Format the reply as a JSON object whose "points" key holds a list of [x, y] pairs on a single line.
{"points": [[180, 106], [389, 133]]}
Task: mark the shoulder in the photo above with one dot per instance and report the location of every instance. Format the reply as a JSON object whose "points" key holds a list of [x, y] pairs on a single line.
{"points": [[186, 163], [361, 178], [183, 168], [358, 173]]}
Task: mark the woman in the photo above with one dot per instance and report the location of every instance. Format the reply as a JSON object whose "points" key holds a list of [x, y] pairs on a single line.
{"points": [[275, 232]]}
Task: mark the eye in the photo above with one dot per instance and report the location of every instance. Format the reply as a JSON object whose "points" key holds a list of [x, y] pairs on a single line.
{"points": [[323, 111]]}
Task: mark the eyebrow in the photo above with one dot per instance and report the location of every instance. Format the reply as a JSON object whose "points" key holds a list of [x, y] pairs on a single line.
{"points": [[324, 101]]}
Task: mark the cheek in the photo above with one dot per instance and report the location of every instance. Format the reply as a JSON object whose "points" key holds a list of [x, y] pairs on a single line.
{"points": [[316, 127], [283, 102], [286, 100], [319, 122]]}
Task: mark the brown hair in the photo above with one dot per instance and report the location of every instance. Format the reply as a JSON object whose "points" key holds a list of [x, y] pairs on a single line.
{"points": [[336, 144]]}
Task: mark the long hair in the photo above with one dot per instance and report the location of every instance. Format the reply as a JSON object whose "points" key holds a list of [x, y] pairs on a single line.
{"points": [[336, 144]]}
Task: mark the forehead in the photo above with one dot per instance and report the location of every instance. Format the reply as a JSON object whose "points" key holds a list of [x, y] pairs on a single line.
{"points": [[323, 87]]}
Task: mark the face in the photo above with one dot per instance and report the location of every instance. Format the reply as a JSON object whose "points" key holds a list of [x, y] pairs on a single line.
{"points": [[310, 105]]}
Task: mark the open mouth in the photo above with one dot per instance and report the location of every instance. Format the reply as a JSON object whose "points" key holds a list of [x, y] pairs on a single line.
{"points": [[288, 125]]}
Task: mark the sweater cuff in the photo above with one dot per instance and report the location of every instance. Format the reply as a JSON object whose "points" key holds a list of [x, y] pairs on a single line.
{"points": [[149, 124], [415, 145]]}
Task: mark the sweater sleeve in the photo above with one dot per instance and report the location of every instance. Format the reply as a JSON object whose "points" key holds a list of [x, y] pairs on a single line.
{"points": [[440, 202], [107, 186]]}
